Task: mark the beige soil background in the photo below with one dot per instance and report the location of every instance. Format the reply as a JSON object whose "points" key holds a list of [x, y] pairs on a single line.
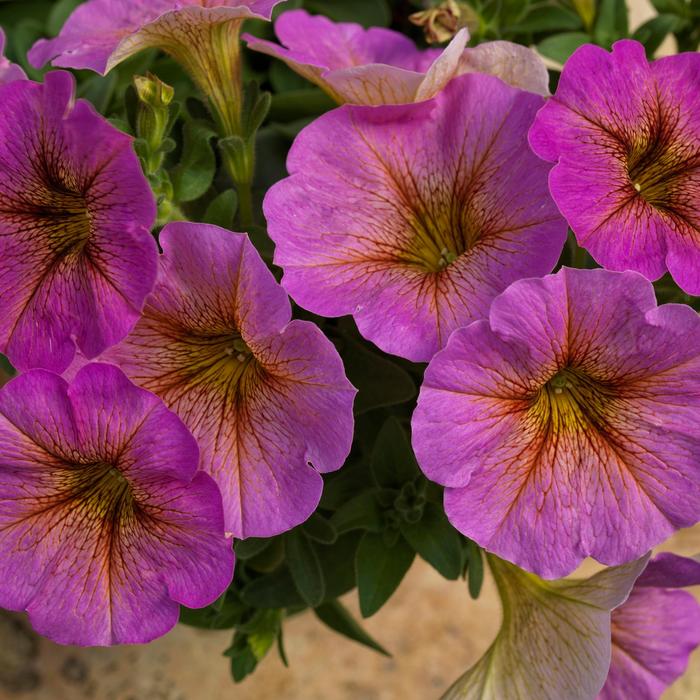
{"points": [[431, 626]]}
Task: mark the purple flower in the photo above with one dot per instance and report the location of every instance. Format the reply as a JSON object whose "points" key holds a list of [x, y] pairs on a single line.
{"points": [[8, 71], [75, 212], [554, 641], [105, 524], [625, 135], [379, 66], [654, 631], [202, 35], [566, 425], [413, 218], [265, 396]]}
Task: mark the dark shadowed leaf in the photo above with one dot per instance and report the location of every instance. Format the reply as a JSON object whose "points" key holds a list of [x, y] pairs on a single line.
{"points": [[393, 461], [337, 617], [380, 570], [305, 567]]}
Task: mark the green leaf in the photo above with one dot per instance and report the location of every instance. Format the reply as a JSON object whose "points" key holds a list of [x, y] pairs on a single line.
{"points": [[476, 570], [247, 549], [222, 209], [296, 104], [369, 13], [653, 32], [193, 176], [380, 570], [380, 382], [393, 462], [336, 616], [222, 614], [262, 631], [360, 513], [243, 662], [320, 529], [611, 23], [549, 19], [267, 558], [305, 568], [275, 590], [436, 541], [560, 46]]}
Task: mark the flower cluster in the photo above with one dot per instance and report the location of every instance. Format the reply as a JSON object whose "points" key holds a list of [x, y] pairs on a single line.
{"points": [[168, 401]]}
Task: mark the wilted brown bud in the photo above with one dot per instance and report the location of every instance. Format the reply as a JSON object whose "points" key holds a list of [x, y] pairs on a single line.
{"points": [[442, 22]]}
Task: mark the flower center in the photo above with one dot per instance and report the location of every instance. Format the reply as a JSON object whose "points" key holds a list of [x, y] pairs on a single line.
{"points": [[655, 164], [437, 240], [101, 490], [573, 401], [65, 219]]}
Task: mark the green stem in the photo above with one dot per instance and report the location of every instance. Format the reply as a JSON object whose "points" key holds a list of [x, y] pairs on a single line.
{"points": [[245, 204]]}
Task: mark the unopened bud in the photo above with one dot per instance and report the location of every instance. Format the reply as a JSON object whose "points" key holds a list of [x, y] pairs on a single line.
{"points": [[442, 22], [153, 117]]}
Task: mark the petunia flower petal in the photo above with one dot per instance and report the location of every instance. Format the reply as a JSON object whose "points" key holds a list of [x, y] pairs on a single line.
{"points": [[564, 426], [654, 631], [105, 525], [554, 640], [265, 396], [75, 214], [381, 67], [100, 34], [413, 218], [626, 139]]}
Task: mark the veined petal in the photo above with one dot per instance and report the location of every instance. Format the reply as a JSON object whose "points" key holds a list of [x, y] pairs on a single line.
{"points": [[99, 34], [75, 214], [654, 631], [266, 397], [105, 525], [554, 641], [626, 139], [566, 425], [413, 218]]}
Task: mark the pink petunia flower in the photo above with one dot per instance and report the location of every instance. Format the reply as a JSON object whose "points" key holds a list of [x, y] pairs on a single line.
{"points": [[379, 66], [106, 526], [75, 212], [265, 396], [654, 631], [625, 134], [567, 424], [412, 218], [202, 35]]}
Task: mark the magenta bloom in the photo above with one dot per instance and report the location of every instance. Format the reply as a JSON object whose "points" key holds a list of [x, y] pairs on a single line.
{"points": [[75, 212], [566, 425], [413, 218], [379, 66], [202, 35], [265, 396], [625, 135], [105, 524], [8, 71], [654, 631]]}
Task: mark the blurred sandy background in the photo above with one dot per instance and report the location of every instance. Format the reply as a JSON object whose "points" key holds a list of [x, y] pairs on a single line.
{"points": [[431, 626]]}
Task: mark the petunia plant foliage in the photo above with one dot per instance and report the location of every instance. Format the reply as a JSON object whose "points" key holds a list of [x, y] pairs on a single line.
{"points": [[294, 293]]}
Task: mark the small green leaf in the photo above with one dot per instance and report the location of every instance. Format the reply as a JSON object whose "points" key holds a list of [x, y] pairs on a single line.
{"points": [[222, 209], [380, 570], [275, 590], [549, 19], [243, 661], [476, 570], [320, 529], [296, 104], [336, 616], [393, 461], [251, 547], [380, 382], [193, 176], [359, 513], [436, 541], [560, 46], [611, 23], [652, 33], [369, 13], [305, 567]]}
